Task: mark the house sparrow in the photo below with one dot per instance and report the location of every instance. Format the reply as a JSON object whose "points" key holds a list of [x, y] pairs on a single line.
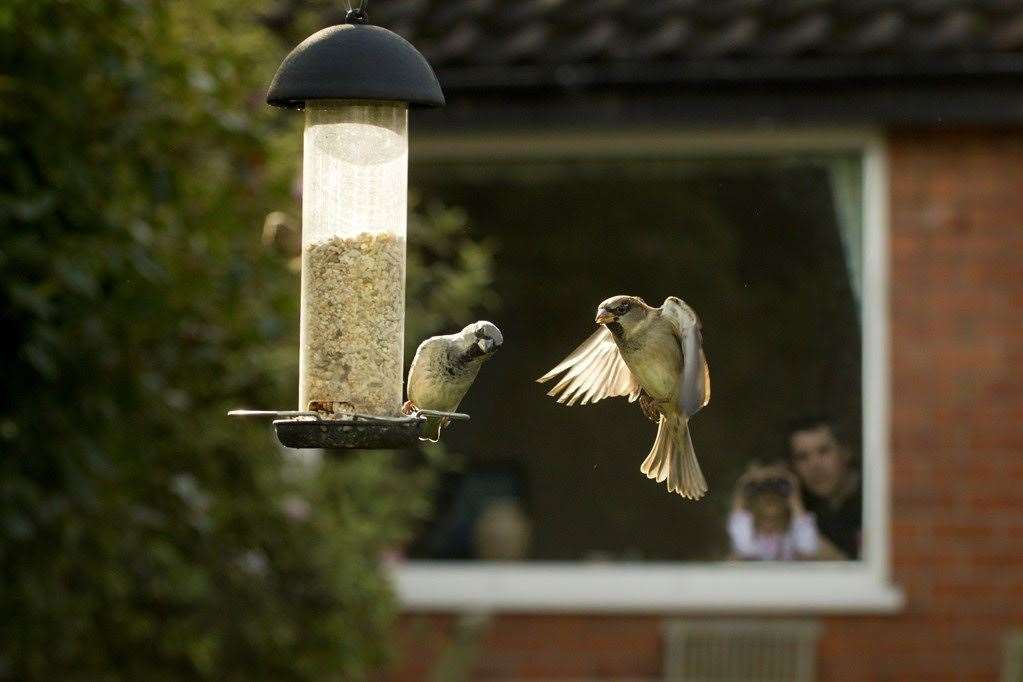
{"points": [[444, 368], [654, 355]]}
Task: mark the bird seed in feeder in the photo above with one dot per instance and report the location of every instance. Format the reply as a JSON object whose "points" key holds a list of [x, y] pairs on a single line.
{"points": [[353, 324]]}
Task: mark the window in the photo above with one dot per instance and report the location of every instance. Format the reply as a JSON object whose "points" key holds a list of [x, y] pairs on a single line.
{"points": [[777, 240]]}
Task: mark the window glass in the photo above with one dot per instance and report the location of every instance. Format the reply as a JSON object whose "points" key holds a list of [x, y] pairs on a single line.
{"points": [[768, 252]]}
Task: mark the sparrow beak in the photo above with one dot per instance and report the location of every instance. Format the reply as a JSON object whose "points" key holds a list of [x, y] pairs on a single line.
{"points": [[603, 317], [485, 345]]}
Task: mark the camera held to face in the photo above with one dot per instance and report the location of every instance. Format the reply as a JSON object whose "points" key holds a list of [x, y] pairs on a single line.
{"points": [[774, 485]]}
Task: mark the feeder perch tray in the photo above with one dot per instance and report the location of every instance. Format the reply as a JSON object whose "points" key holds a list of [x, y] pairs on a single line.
{"points": [[301, 429]]}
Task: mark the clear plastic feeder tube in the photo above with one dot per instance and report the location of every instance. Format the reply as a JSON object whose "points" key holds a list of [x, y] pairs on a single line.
{"points": [[354, 202]]}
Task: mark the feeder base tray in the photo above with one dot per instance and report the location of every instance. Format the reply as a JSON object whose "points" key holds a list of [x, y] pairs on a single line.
{"points": [[303, 429], [347, 433]]}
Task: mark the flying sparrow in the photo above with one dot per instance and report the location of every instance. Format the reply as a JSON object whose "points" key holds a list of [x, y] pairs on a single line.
{"points": [[654, 355], [444, 368]]}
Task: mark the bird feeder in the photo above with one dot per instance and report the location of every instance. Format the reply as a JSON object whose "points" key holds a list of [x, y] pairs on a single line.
{"points": [[355, 83]]}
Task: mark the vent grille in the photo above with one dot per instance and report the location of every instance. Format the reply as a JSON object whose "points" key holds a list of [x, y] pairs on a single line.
{"points": [[740, 651]]}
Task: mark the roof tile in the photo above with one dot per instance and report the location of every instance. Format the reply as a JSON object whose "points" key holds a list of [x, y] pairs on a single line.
{"points": [[467, 33]]}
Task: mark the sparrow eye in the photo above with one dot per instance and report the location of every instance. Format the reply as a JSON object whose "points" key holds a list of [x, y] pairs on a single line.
{"points": [[621, 308]]}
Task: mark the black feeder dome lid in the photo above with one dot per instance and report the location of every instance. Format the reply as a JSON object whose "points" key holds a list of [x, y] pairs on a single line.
{"points": [[355, 61]]}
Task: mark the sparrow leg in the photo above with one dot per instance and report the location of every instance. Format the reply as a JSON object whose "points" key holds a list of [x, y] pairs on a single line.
{"points": [[649, 406], [409, 407]]}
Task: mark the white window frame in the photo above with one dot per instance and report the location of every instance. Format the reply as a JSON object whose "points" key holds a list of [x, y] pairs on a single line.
{"points": [[705, 587]]}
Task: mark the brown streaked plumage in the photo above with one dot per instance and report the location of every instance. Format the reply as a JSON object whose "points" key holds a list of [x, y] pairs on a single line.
{"points": [[444, 368], [654, 355]]}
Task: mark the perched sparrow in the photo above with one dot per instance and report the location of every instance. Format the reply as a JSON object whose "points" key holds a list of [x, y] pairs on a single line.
{"points": [[654, 355], [443, 370]]}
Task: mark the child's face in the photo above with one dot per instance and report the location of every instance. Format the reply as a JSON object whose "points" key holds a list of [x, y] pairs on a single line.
{"points": [[770, 513]]}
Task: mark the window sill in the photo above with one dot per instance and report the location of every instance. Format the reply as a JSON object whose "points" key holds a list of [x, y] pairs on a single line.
{"points": [[648, 587]]}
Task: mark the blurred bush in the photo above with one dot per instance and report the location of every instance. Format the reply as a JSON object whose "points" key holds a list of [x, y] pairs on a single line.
{"points": [[143, 535]]}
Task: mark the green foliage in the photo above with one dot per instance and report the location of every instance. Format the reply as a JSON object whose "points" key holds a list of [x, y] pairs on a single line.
{"points": [[143, 535], [449, 275]]}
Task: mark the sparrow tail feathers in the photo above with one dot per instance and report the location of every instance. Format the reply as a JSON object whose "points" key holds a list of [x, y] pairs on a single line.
{"points": [[673, 459]]}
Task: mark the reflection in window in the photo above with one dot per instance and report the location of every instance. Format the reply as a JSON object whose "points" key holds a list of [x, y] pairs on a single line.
{"points": [[768, 252]]}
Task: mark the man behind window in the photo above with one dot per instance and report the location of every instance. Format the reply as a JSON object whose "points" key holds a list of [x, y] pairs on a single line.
{"points": [[830, 482]]}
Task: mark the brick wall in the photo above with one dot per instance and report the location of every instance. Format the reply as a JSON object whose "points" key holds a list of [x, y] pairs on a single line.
{"points": [[957, 450]]}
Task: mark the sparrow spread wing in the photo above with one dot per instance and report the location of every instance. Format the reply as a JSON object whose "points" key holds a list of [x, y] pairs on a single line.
{"points": [[695, 389], [593, 371], [706, 378]]}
